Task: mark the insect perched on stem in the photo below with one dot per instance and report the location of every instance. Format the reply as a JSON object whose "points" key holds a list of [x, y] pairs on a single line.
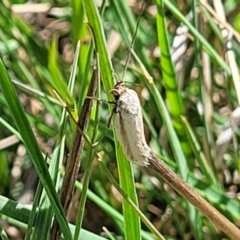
{"points": [[128, 124]]}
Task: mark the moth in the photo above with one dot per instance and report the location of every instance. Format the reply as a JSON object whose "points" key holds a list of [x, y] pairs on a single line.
{"points": [[128, 124]]}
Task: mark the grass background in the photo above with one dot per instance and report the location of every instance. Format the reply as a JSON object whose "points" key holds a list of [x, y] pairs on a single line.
{"points": [[187, 112]]}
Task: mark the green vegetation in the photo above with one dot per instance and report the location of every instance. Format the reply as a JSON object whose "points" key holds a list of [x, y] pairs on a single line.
{"points": [[185, 71]]}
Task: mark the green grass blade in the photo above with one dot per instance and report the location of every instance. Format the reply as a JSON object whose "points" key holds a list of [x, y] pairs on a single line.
{"points": [[3, 234], [132, 221], [168, 73], [34, 214], [58, 80], [170, 83], [106, 69], [126, 177]]}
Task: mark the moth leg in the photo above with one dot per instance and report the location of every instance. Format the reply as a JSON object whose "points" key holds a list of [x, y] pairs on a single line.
{"points": [[111, 116], [101, 138], [108, 125], [101, 100]]}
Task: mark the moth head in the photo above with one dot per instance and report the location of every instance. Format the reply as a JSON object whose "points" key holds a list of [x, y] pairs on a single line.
{"points": [[118, 90]]}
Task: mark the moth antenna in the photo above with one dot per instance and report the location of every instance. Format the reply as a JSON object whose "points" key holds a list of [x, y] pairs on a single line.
{"points": [[135, 84], [116, 76], [132, 43]]}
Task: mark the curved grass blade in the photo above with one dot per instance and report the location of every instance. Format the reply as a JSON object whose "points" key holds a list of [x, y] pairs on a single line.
{"points": [[58, 80], [174, 100]]}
